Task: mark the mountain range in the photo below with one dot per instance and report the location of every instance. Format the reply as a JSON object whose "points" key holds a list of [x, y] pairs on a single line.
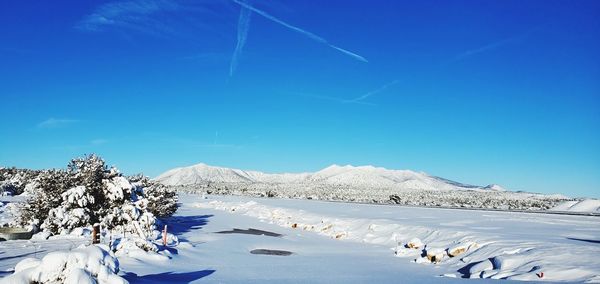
{"points": [[361, 177]]}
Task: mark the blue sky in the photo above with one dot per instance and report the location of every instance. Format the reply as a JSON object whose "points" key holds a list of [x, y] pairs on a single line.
{"points": [[481, 92]]}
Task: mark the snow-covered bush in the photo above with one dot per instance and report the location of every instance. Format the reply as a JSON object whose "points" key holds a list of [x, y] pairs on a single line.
{"points": [[7, 188], [162, 200], [90, 192], [14, 180], [92, 264], [123, 245], [74, 211], [47, 195]]}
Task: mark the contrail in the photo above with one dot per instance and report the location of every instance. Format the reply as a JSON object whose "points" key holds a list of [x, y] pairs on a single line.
{"points": [[242, 35], [484, 48], [299, 30], [335, 99], [357, 100], [494, 45], [379, 90]]}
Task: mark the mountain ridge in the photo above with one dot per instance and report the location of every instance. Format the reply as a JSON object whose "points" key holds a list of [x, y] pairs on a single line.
{"points": [[358, 176]]}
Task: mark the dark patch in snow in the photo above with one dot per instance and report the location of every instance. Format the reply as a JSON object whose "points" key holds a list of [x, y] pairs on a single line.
{"points": [[168, 277], [584, 240], [251, 231], [271, 252]]}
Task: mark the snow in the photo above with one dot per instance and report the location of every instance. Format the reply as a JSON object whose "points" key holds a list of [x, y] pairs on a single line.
{"points": [[116, 186], [583, 206], [336, 242], [78, 195], [91, 264]]}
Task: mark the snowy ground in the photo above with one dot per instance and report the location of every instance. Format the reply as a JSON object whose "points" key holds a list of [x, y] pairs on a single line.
{"points": [[562, 247]]}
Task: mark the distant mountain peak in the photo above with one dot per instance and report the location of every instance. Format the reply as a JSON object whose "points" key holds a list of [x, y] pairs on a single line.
{"points": [[494, 187]]}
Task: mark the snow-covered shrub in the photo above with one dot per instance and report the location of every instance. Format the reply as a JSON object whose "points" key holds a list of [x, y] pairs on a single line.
{"points": [[162, 200], [137, 248], [7, 188], [92, 264], [15, 180], [74, 211], [50, 185], [123, 245], [90, 192]]}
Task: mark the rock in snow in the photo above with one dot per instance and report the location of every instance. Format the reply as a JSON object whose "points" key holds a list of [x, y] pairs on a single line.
{"points": [[414, 243]]}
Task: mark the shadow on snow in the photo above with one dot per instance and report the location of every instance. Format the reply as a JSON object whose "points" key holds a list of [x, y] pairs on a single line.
{"points": [[585, 240], [178, 225], [22, 255], [168, 277]]}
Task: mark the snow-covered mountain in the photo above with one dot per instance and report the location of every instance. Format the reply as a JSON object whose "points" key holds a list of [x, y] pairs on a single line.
{"points": [[363, 176]]}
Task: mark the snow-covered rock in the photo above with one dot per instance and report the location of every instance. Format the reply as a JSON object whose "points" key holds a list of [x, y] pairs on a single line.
{"points": [[435, 255], [414, 243], [461, 248]]}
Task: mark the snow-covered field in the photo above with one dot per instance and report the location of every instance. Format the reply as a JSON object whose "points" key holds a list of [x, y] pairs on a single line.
{"points": [[357, 243]]}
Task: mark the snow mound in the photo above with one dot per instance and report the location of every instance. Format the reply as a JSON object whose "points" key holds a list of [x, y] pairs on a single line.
{"points": [[582, 206], [91, 264]]}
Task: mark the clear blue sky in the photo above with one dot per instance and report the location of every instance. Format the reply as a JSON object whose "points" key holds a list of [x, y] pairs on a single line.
{"points": [[481, 92]]}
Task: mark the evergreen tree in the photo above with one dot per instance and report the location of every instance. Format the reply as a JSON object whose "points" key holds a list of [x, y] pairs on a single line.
{"points": [[90, 192]]}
